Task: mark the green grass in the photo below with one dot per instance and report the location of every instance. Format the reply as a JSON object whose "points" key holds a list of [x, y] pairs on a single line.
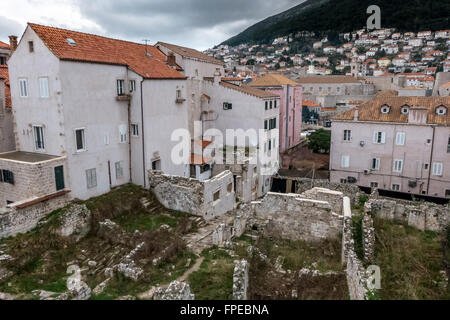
{"points": [[410, 261], [145, 221], [214, 279]]}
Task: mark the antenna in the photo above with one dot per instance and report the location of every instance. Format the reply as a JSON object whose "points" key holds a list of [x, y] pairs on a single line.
{"points": [[146, 44]]}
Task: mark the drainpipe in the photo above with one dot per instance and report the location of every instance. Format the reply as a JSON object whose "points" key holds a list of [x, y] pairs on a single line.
{"points": [[142, 130], [129, 138], [430, 166], [286, 142]]}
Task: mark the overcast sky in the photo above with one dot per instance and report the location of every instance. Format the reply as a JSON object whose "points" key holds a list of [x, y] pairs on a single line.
{"points": [[199, 24]]}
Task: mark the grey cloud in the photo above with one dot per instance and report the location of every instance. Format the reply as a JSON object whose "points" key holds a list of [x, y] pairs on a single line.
{"points": [[9, 27], [200, 23]]}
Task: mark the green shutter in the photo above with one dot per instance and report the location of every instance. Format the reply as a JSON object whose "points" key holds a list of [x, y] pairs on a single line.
{"points": [[59, 178]]}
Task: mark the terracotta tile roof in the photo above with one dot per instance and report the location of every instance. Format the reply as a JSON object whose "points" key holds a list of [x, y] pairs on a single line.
{"points": [[189, 53], [371, 110], [98, 49], [249, 90], [199, 160], [309, 103], [5, 75], [272, 80], [328, 79], [387, 93], [232, 79], [4, 45]]}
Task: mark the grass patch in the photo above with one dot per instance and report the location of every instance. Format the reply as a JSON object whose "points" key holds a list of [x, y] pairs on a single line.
{"points": [[214, 279], [410, 261], [144, 222], [357, 232]]}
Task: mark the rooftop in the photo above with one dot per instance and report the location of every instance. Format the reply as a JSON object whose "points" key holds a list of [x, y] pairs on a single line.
{"points": [[30, 157], [272, 80], [328, 79], [249, 90], [145, 60], [189, 53]]}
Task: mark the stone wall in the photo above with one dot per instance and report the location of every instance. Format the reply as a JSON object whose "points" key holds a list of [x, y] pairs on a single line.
{"points": [[30, 179], [240, 280], [175, 291], [15, 220], [194, 196], [355, 271], [75, 221], [350, 190], [421, 215], [295, 217]]}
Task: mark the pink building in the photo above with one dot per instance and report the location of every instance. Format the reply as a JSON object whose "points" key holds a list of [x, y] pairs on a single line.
{"points": [[394, 143], [290, 93]]}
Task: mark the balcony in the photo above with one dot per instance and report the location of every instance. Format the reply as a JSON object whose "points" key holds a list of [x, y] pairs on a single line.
{"points": [[123, 97]]}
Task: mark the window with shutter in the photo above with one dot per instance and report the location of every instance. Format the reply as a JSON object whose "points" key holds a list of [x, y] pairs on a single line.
{"points": [[119, 169], [400, 139], [123, 133], [345, 161], [437, 168], [23, 85], [38, 138], [80, 142], [375, 164], [398, 166], [91, 178], [43, 87]]}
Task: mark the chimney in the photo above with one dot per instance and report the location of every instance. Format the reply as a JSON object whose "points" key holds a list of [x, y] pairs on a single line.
{"points": [[417, 115], [217, 76], [356, 114], [171, 60], [13, 43]]}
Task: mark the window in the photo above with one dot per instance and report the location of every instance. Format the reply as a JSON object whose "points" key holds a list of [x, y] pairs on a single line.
{"points": [[374, 184], [267, 105], [375, 164], [132, 85], [270, 104], [379, 137], [80, 141], [275, 104], [6, 176], [320, 89], [120, 87], [227, 106], [23, 88], [119, 169], [343, 180], [311, 89], [134, 130], [385, 109], [43, 87], [156, 164], [447, 193], [338, 89], [436, 168], [345, 161], [123, 133], [216, 195], [91, 178], [265, 125], [425, 166], [398, 165], [396, 187], [405, 110], [178, 94], [71, 42], [30, 46], [272, 123], [448, 145], [400, 139], [38, 138], [347, 135]]}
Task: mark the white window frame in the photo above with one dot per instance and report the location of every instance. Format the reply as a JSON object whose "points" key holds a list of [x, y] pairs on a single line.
{"points": [[134, 130], [44, 91], [38, 131], [379, 137], [347, 135], [397, 165], [345, 161], [400, 138], [83, 139], [91, 178], [123, 134], [119, 169], [394, 189], [23, 87], [377, 164], [374, 184], [120, 87], [132, 85], [437, 168]]}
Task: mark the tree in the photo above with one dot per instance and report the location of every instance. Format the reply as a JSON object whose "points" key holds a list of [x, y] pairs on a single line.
{"points": [[319, 141]]}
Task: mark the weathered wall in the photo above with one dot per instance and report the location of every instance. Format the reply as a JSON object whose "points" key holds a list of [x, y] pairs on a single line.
{"points": [[421, 215], [240, 280], [194, 196], [14, 220], [295, 217]]}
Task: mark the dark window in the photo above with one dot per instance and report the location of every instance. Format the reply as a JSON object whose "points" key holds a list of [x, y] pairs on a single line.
{"points": [[6, 176], [447, 193], [79, 136], [120, 87], [216, 195], [275, 104], [204, 168], [30, 46], [267, 104], [270, 104], [448, 145], [59, 178], [265, 125], [156, 165]]}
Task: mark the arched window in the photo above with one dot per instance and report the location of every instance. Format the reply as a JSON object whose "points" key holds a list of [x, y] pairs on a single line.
{"points": [[385, 108]]}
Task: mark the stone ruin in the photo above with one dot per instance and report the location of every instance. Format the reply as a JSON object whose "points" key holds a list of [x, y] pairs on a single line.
{"points": [[240, 280], [175, 291]]}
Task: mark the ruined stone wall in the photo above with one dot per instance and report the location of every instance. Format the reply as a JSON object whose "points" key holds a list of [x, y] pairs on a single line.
{"points": [[350, 190], [194, 196], [421, 215], [355, 271], [295, 217], [240, 280], [15, 220]]}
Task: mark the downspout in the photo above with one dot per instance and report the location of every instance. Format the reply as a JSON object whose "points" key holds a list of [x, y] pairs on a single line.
{"points": [[142, 130], [129, 138], [286, 142], [430, 166]]}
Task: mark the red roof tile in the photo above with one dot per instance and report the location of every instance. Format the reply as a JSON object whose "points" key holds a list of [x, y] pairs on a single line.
{"points": [[4, 45], [98, 49], [5, 75]]}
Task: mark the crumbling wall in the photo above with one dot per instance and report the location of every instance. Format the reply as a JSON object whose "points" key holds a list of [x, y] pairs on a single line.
{"points": [[175, 291], [222, 235], [421, 215], [240, 280], [16, 220], [350, 190], [356, 274], [75, 221], [294, 217], [208, 198]]}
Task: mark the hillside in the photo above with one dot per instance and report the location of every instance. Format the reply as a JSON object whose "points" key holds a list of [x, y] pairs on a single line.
{"points": [[348, 15]]}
